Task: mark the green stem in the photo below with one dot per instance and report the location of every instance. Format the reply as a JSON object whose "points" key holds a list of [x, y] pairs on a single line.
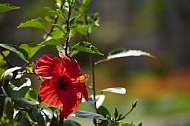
{"points": [[68, 30], [93, 80], [92, 65], [8, 62], [51, 29]]}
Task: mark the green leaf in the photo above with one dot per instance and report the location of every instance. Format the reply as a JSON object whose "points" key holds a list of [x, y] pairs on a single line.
{"points": [[23, 103], [86, 3], [87, 48], [15, 49], [57, 34], [103, 111], [82, 29], [73, 20], [119, 90], [48, 114], [18, 82], [134, 104], [3, 61], [5, 7], [116, 114], [125, 124], [9, 72], [31, 95], [5, 53], [36, 23], [58, 26], [121, 53], [8, 107], [53, 42], [38, 117], [86, 114], [72, 53], [71, 2], [99, 100], [31, 48], [126, 53], [17, 92], [71, 123], [84, 8], [59, 1]]}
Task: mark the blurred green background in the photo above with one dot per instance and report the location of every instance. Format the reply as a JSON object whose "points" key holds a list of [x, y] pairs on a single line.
{"points": [[160, 27]]}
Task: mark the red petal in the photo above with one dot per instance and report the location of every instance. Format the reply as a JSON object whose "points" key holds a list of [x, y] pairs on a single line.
{"points": [[51, 94], [72, 105], [84, 91], [49, 66], [71, 65], [81, 82]]}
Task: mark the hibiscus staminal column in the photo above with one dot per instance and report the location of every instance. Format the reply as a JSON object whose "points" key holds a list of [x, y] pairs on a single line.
{"points": [[64, 84]]}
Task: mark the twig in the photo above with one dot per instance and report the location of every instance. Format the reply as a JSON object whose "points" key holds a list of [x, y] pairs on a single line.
{"points": [[52, 27], [68, 30], [8, 62], [92, 65]]}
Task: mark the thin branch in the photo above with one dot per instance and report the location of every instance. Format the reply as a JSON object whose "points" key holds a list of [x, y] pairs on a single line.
{"points": [[68, 30], [92, 65], [52, 27], [8, 62]]}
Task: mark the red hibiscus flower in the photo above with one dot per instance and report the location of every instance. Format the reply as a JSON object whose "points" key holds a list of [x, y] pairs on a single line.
{"points": [[64, 85]]}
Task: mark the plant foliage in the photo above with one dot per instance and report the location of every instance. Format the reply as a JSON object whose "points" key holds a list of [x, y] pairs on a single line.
{"points": [[19, 98]]}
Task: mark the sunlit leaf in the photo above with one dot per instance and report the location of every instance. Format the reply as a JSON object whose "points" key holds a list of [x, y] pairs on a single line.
{"points": [[125, 124], [38, 117], [86, 114], [23, 83], [2, 70], [57, 34], [72, 53], [31, 48], [5, 53], [54, 42], [31, 95], [99, 100], [59, 1], [15, 49], [9, 72], [36, 23], [60, 49], [119, 90], [5, 7], [47, 114], [71, 2], [3, 61], [49, 19], [24, 103], [87, 48], [73, 20], [82, 29], [126, 53], [58, 26], [121, 53], [17, 92]]}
